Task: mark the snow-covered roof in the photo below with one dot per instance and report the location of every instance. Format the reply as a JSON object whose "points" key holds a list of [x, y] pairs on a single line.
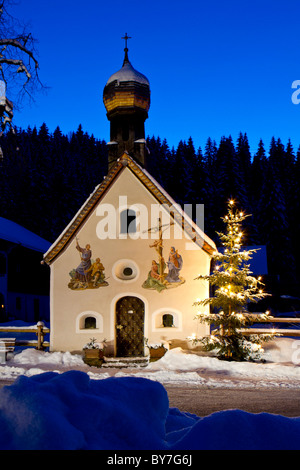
{"points": [[15, 233], [128, 74]]}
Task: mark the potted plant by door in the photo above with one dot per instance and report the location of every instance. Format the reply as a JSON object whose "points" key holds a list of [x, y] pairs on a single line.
{"points": [[94, 351], [157, 350]]}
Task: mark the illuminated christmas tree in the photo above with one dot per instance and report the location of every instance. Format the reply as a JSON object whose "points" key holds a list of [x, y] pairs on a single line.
{"points": [[233, 288]]}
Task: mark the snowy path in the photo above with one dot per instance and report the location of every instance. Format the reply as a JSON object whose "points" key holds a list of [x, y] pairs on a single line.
{"points": [[202, 401]]}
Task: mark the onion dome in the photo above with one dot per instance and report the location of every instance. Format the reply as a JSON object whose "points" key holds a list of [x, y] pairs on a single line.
{"points": [[126, 90]]}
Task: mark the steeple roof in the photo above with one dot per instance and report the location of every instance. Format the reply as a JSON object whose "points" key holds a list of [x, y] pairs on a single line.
{"points": [[128, 74]]}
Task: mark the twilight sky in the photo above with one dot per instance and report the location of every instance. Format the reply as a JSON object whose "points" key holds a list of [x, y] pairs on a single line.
{"points": [[215, 67]]}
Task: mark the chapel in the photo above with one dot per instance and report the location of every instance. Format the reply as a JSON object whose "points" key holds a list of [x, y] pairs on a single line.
{"points": [[124, 268]]}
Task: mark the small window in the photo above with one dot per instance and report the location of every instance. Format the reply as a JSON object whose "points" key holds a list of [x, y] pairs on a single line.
{"points": [[89, 320], [90, 323], [168, 320], [128, 221], [127, 271]]}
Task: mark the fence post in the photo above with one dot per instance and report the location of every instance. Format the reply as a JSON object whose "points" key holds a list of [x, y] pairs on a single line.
{"points": [[40, 335]]}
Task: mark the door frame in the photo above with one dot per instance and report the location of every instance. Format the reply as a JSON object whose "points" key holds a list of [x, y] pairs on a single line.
{"points": [[113, 315]]}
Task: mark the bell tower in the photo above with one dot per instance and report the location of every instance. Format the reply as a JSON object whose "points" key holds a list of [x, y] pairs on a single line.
{"points": [[126, 97]]}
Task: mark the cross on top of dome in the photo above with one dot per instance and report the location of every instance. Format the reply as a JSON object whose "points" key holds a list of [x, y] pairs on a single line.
{"points": [[126, 38], [126, 60]]}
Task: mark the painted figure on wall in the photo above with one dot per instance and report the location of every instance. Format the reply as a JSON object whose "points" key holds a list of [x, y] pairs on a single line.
{"points": [[83, 270], [88, 274], [97, 272], [174, 265], [157, 278]]}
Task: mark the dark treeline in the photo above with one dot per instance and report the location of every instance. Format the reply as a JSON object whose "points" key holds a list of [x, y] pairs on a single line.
{"points": [[46, 177]]}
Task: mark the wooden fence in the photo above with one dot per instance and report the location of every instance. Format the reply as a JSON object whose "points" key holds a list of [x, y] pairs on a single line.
{"points": [[271, 328], [39, 329]]}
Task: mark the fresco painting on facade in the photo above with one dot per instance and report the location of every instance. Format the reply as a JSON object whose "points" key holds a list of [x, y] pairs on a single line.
{"points": [[89, 274], [157, 278]]}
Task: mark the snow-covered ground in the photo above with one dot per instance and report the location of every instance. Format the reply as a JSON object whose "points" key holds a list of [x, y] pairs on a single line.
{"points": [[58, 402], [280, 369]]}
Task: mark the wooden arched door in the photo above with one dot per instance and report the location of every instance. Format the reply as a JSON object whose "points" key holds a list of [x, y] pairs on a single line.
{"points": [[130, 313]]}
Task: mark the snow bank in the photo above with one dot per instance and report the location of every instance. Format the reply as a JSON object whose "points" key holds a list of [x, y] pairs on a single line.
{"points": [[34, 357], [178, 360], [69, 411], [237, 430], [64, 408], [15, 233]]}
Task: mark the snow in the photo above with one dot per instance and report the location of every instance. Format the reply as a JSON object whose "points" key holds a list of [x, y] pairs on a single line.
{"points": [[15, 233], [55, 401], [282, 358], [128, 74]]}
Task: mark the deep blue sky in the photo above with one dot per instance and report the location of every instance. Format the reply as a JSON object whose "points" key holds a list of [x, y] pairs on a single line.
{"points": [[215, 67]]}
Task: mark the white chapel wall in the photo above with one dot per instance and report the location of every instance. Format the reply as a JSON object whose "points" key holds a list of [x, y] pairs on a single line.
{"points": [[69, 305]]}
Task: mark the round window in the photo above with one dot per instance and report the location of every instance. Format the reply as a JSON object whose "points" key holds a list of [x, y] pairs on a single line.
{"points": [[125, 270]]}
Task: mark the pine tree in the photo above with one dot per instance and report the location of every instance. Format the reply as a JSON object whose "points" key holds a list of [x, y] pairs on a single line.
{"points": [[258, 169], [289, 183], [244, 157], [195, 174], [211, 199], [275, 230], [158, 160], [210, 153], [229, 179], [296, 227], [179, 185], [234, 287]]}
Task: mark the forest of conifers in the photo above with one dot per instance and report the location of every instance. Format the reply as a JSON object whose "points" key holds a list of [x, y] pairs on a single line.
{"points": [[46, 177]]}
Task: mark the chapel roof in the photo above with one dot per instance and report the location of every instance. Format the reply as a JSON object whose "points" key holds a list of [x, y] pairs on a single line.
{"points": [[162, 197]]}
